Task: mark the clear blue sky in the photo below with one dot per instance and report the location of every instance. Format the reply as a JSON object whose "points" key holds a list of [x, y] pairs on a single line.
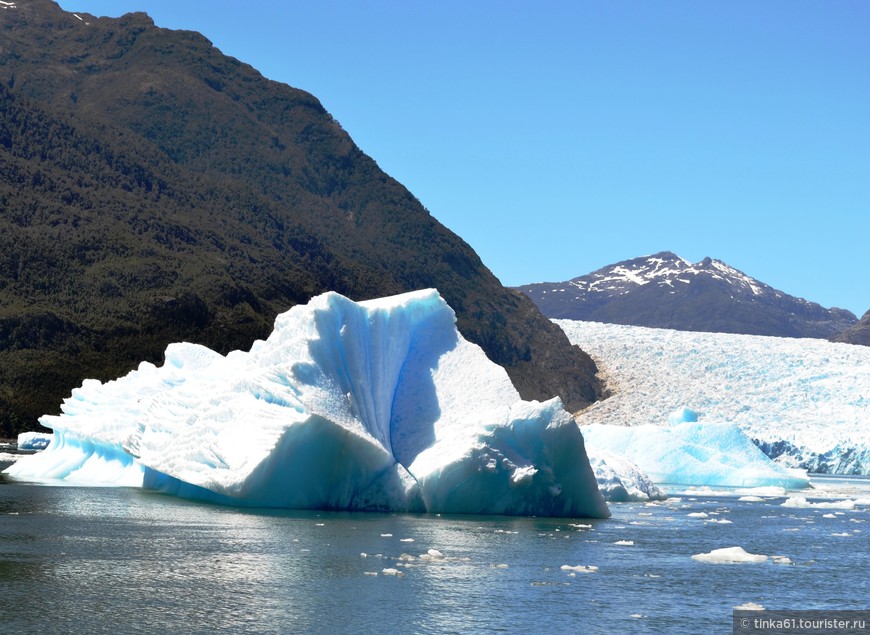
{"points": [[557, 137]]}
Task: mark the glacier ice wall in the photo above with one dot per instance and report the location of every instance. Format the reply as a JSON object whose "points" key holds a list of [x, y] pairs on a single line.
{"points": [[378, 405], [804, 402]]}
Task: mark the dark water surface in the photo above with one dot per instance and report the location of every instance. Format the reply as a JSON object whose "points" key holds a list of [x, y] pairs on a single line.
{"points": [[88, 560]]}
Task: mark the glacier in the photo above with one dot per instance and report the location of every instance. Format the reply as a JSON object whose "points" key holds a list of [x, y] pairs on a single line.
{"points": [[375, 405], [805, 403]]}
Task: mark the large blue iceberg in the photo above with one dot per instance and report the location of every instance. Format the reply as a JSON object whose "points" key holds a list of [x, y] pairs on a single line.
{"points": [[378, 405], [689, 452]]}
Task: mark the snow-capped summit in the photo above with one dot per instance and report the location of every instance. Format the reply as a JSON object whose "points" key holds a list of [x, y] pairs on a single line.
{"points": [[666, 291]]}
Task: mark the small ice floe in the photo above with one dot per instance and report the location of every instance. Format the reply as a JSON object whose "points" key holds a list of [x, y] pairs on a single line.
{"points": [[386, 535], [843, 535], [828, 516], [580, 568], [434, 553], [749, 606], [637, 616], [770, 490], [729, 555], [624, 543], [499, 566], [319, 524], [392, 571], [803, 503], [698, 515], [363, 555], [700, 491], [781, 560], [718, 521], [580, 526], [406, 540], [751, 499]]}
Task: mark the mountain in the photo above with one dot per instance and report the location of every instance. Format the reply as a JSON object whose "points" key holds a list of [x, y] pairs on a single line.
{"points": [[154, 190], [856, 334], [666, 291]]}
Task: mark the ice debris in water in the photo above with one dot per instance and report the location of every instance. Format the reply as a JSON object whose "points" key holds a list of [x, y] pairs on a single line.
{"points": [[579, 568], [802, 503], [378, 405], [729, 555]]}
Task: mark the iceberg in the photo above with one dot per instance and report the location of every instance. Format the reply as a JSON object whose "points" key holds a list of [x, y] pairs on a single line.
{"points": [[620, 480], [693, 453], [376, 405]]}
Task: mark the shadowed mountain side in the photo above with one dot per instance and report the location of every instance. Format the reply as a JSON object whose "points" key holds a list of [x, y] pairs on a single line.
{"points": [[857, 334], [155, 190], [666, 291]]}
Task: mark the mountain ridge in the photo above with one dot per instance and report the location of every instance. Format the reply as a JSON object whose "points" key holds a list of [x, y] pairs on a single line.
{"points": [[666, 291], [154, 190]]}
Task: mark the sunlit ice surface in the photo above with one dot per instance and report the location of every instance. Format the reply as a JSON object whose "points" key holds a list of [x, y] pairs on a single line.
{"points": [[378, 405]]}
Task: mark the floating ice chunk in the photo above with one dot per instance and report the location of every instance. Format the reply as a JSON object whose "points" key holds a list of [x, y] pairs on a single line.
{"points": [[377, 405], [770, 490], [751, 499], [693, 453], [698, 515], [803, 503], [34, 440], [729, 555], [619, 479], [624, 543], [392, 571], [828, 516], [749, 606], [434, 553], [579, 568], [781, 560]]}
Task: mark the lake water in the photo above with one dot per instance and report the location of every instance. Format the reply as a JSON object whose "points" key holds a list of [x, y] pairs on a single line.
{"points": [[88, 560]]}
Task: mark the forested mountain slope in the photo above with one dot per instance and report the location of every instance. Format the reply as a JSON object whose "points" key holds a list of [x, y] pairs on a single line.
{"points": [[154, 190]]}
